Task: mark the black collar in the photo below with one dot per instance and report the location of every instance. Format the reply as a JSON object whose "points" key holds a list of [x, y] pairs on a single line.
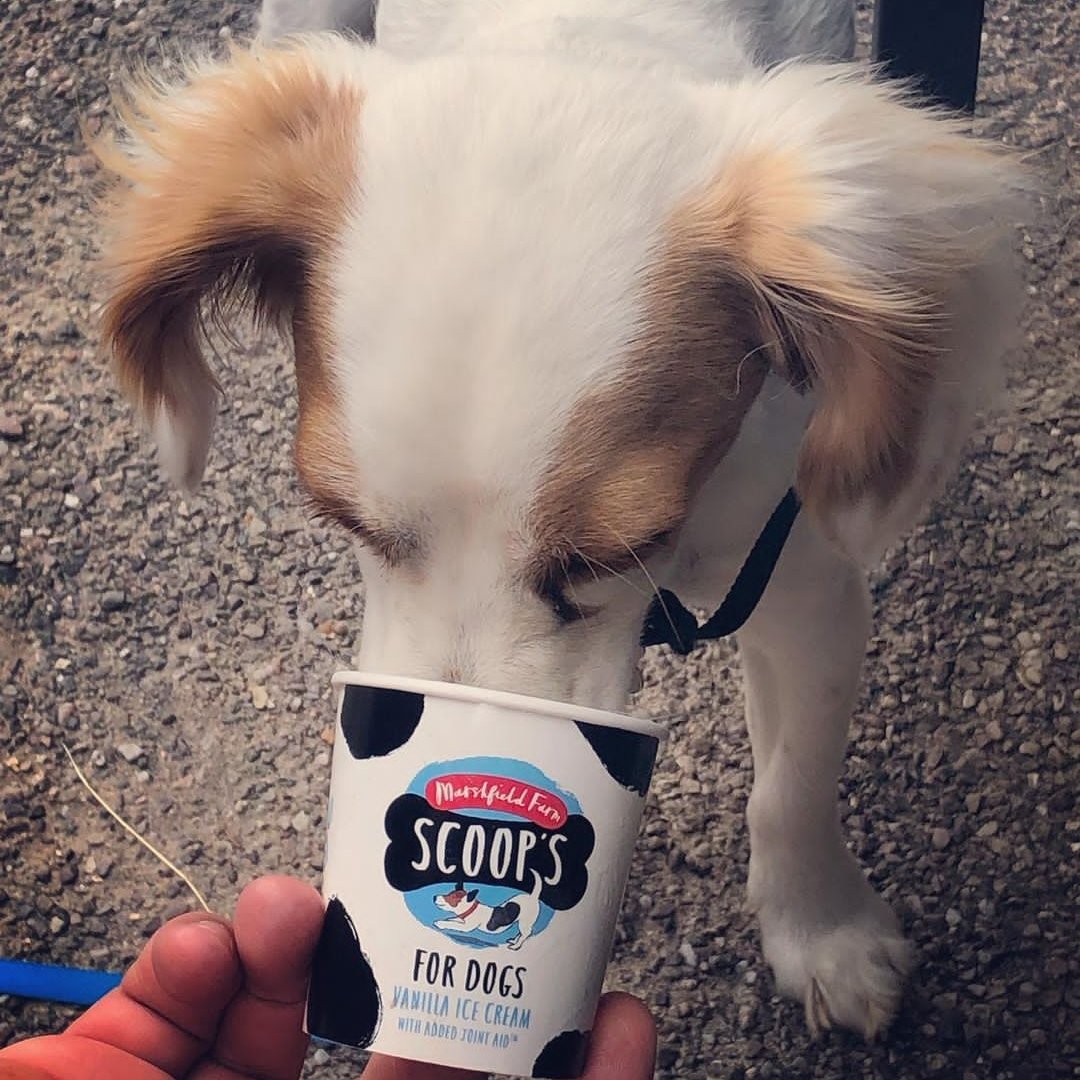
{"points": [[669, 623]]}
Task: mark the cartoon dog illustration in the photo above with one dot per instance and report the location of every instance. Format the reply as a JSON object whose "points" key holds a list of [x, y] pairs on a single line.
{"points": [[470, 915]]}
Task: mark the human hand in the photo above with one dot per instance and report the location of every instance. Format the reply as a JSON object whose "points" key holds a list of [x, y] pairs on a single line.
{"points": [[212, 1000]]}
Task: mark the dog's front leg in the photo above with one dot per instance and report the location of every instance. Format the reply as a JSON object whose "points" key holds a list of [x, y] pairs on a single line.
{"points": [[831, 941]]}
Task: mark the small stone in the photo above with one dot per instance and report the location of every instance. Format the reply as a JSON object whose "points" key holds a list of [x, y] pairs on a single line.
{"points": [[256, 629], [686, 951], [129, 751], [300, 821], [969, 700], [1060, 651], [940, 839], [953, 917], [113, 600], [56, 925], [10, 426], [994, 732], [972, 802], [1028, 748], [1031, 674], [1004, 442], [320, 1057], [7, 555], [259, 696], [989, 829], [667, 1056], [72, 501]]}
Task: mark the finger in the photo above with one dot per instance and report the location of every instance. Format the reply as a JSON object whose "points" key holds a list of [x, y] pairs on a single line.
{"points": [[167, 1009], [391, 1068], [9, 1070], [276, 927], [623, 1043], [66, 1057]]}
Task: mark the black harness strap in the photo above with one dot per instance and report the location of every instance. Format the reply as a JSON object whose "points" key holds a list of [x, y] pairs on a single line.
{"points": [[669, 623]]}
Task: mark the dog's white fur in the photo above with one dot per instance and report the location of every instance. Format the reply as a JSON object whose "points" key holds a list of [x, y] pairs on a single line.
{"points": [[517, 170]]}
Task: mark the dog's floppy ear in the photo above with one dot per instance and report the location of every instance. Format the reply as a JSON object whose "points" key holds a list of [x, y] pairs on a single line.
{"points": [[866, 234], [236, 181]]}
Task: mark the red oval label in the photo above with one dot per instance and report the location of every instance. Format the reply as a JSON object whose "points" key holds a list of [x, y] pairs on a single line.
{"points": [[478, 791]]}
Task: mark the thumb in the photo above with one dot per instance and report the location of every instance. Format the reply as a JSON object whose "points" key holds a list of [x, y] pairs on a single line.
{"points": [[623, 1043]]}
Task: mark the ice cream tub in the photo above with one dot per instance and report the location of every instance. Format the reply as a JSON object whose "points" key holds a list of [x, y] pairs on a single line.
{"points": [[478, 845]]}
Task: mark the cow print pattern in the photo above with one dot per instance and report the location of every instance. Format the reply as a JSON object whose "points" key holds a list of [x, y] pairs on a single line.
{"points": [[563, 1058], [628, 756], [376, 721], [344, 1004]]}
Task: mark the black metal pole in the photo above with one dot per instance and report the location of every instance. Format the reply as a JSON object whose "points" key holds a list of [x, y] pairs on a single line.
{"points": [[934, 41]]}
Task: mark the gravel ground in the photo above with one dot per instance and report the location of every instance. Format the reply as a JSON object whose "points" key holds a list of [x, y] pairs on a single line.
{"points": [[182, 648]]}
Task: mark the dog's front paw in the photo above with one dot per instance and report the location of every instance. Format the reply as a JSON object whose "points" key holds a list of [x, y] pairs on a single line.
{"points": [[850, 974]]}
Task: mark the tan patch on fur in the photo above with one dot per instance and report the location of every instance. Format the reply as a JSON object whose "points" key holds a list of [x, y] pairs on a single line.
{"points": [[633, 454], [757, 212], [239, 183], [868, 348]]}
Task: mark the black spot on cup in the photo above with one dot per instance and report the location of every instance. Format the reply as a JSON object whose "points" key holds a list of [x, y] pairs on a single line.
{"points": [[627, 755], [344, 1004], [376, 721], [564, 1056]]}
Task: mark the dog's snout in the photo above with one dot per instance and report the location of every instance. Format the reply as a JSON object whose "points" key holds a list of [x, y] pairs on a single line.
{"points": [[460, 667]]}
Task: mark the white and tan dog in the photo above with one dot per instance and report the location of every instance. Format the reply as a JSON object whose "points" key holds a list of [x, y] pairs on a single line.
{"points": [[577, 289]]}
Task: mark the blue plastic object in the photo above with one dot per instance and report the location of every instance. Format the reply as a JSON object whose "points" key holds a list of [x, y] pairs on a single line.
{"points": [[51, 982]]}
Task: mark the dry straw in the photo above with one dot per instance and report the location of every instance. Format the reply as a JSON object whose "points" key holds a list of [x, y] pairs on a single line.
{"points": [[142, 839]]}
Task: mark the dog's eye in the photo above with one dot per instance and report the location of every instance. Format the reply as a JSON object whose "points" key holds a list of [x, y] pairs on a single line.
{"points": [[325, 510], [352, 524], [567, 611], [393, 545]]}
